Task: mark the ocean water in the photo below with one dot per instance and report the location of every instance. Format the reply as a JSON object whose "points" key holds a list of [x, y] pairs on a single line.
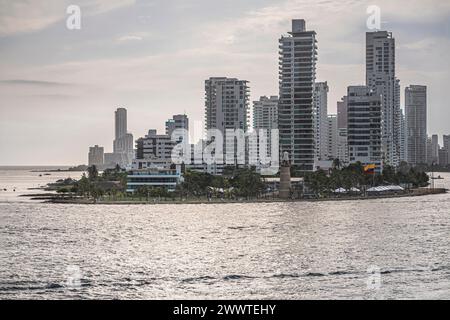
{"points": [[373, 249]]}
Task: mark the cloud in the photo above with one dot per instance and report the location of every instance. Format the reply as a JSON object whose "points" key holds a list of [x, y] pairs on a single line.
{"points": [[22, 16], [33, 83], [130, 37]]}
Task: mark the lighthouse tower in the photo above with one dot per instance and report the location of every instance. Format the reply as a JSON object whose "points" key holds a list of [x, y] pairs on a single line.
{"points": [[285, 177]]}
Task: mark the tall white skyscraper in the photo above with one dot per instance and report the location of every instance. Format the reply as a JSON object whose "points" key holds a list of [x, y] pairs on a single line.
{"points": [[364, 126], [226, 107], [381, 78], [321, 119], [296, 111], [416, 119]]}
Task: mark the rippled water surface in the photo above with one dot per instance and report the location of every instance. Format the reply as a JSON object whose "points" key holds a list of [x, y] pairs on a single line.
{"points": [[256, 251]]}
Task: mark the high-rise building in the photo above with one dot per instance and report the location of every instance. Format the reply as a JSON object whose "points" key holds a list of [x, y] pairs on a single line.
{"points": [[380, 77], [342, 147], [265, 113], [364, 126], [342, 123], [121, 123], [342, 113], [226, 108], [403, 138], [443, 157], [178, 121], [416, 120], [434, 148], [296, 112], [332, 137], [321, 119], [446, 145], [96, 156], [123, 146], [429, 151], [265, 116]]}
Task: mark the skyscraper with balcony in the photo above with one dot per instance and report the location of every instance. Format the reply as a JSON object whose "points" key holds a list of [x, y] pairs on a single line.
{"points": [[226, 108], [416, 119], [381, 78], [296, 110], [364, 126]]}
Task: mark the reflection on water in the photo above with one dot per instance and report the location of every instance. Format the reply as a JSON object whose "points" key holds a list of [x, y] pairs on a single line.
{"points": [[280, 250]]}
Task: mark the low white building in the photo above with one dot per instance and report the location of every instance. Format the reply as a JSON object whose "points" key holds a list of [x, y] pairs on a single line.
{"points": [[154, 178]]}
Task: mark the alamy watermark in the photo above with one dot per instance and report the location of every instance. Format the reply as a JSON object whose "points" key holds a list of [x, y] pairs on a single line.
{"points": [[236, 147], [73, 21], [73, 277], [374, 20]]}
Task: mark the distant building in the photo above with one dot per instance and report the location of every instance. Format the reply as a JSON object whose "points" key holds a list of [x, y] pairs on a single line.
{"points": [[96, 156], [416, 119], [332, 137], [342, 113], [444, 157], [429, 151], [403, 138], [265, 117], [153, 150], [342, 147], [178, 121], [123, 149], [364, 126], [116, 159], [446, 145], [434, 156], [321, 119], [296, 112], [342, 123]]}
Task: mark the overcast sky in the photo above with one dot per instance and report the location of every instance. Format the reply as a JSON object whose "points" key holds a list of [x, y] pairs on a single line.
{"points": [[59, 88]]}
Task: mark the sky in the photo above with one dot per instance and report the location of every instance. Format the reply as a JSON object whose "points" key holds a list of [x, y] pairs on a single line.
{"points": [[59, 88]]}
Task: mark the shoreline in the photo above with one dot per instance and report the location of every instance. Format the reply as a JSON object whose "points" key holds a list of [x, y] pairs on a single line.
{"points": [[59, 200]]}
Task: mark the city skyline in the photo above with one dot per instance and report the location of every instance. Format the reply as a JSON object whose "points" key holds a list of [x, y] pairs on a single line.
{"points": [[67, 89]]}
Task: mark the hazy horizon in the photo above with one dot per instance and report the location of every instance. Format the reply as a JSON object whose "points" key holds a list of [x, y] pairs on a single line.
{"points": [[60, 87]]}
